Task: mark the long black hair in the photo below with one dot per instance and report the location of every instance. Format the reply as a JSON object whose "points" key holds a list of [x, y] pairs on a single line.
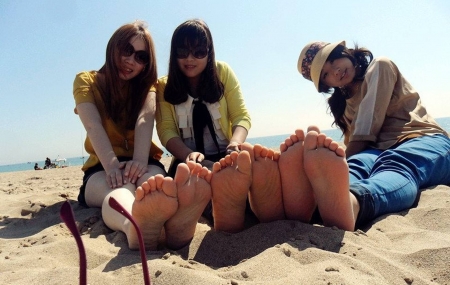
{"points": [[121, 110], [190, 34], [361, 58]]}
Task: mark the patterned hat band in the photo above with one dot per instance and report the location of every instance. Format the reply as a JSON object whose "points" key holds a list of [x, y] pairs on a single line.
{"points": [[309, 57], [313, 57]]}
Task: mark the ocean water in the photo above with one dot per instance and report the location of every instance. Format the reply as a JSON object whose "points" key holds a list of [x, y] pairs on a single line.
{"points": [[269, 141]]}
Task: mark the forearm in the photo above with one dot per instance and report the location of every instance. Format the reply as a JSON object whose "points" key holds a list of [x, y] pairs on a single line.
{"points": [[103, 148], [239, 135], [178, 149], [355, 147], [144, 129], [91, 120], [143, 137], [142, 141]]}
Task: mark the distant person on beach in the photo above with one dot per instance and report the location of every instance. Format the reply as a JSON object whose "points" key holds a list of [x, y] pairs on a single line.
{"points": [[394, 147], [116, 105], [48, 163], [36, 166], [201, 114]]}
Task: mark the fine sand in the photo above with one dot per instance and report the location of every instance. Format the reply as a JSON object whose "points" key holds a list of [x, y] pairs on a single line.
{"points": [[410, 247]]}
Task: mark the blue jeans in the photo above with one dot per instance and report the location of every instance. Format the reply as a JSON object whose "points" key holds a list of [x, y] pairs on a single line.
{"points": [[389, 181]]}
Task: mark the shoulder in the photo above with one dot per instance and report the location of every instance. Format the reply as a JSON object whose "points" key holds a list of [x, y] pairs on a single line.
{"points": [[162, 80], [226, 74], [223, 67], [86, 77], [161, 83], [160, 86], [382, 62]]}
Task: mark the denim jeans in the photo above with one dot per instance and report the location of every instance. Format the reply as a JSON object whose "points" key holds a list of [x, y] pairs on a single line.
{"points": [[389, 181]]}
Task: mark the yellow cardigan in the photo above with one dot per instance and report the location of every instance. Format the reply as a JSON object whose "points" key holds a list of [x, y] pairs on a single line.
{"points": [[232, 107]]}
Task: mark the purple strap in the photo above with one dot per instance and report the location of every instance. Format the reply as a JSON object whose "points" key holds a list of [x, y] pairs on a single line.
{"points": [[116, 206], [66, 214]]}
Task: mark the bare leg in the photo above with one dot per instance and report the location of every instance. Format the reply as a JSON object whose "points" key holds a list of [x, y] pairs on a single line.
{"points": [[298, 197], [156, 202], [231, 180], [327, 169], [194, 192], [98, 194], [265, 192]]}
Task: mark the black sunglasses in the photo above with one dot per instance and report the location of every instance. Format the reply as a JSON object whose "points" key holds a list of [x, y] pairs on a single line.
{"points": [[140, 56], [197, 52]]}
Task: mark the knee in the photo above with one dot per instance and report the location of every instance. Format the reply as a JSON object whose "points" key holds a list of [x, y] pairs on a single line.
{"points": [[152, 171]]}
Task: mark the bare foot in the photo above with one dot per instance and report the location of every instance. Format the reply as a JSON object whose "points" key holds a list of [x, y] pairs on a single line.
{"points": [[298, 197], [194, 193], [155, 202], [265, 192], [231, 180], [327, 169]]}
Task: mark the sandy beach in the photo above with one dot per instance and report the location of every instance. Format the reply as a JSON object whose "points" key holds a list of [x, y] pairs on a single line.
{"points": [[410, 247]]}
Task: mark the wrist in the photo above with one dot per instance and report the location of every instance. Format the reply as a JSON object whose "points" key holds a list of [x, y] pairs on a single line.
{"points": [[233, 144], [188, 157], [113, 163]]}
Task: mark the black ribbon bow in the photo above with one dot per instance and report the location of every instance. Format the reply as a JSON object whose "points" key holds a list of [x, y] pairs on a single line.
{"points": [[200, 119]]}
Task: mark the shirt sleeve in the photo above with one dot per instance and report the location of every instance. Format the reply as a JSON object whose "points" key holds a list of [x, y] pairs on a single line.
{"points": [[166, 124], [379, 82], [82, 89], [237, 111]]}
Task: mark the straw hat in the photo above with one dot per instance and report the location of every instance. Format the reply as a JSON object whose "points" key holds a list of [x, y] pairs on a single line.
{"points": [[313, 57]]}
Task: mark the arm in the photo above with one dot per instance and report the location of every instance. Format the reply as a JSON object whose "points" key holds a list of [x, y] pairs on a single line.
{"points": [[137, 167], [178, 149], [355, 147], [238, 114], [380, 80], [167, 127], [92, 122], [239, 136]]}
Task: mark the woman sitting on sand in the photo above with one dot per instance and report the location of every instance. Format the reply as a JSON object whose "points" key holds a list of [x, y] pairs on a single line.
{"points": [[393, 146], [202, 117], [201, 114], [116, 105]]}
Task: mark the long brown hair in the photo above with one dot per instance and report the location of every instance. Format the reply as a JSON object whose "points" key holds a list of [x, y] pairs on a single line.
{"points": [[190, 34], [361, 58], [139, 86]]}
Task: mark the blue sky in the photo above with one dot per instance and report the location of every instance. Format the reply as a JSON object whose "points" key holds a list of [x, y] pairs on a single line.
{"points": [[45, 43]]}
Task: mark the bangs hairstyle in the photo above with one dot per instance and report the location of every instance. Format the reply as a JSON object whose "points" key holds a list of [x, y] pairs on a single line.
{"points": [[190, 34], [361, 58], [125, 110]]}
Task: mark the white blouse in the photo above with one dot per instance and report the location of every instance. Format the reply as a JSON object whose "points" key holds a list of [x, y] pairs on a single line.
{"points": [[184, 114]]}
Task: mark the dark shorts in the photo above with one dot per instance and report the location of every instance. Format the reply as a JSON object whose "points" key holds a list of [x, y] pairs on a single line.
{"points": [[98, 167]]}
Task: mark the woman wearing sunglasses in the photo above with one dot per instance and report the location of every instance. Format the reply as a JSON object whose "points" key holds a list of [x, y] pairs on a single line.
{"points": [[201, 114], [116, 105]]}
